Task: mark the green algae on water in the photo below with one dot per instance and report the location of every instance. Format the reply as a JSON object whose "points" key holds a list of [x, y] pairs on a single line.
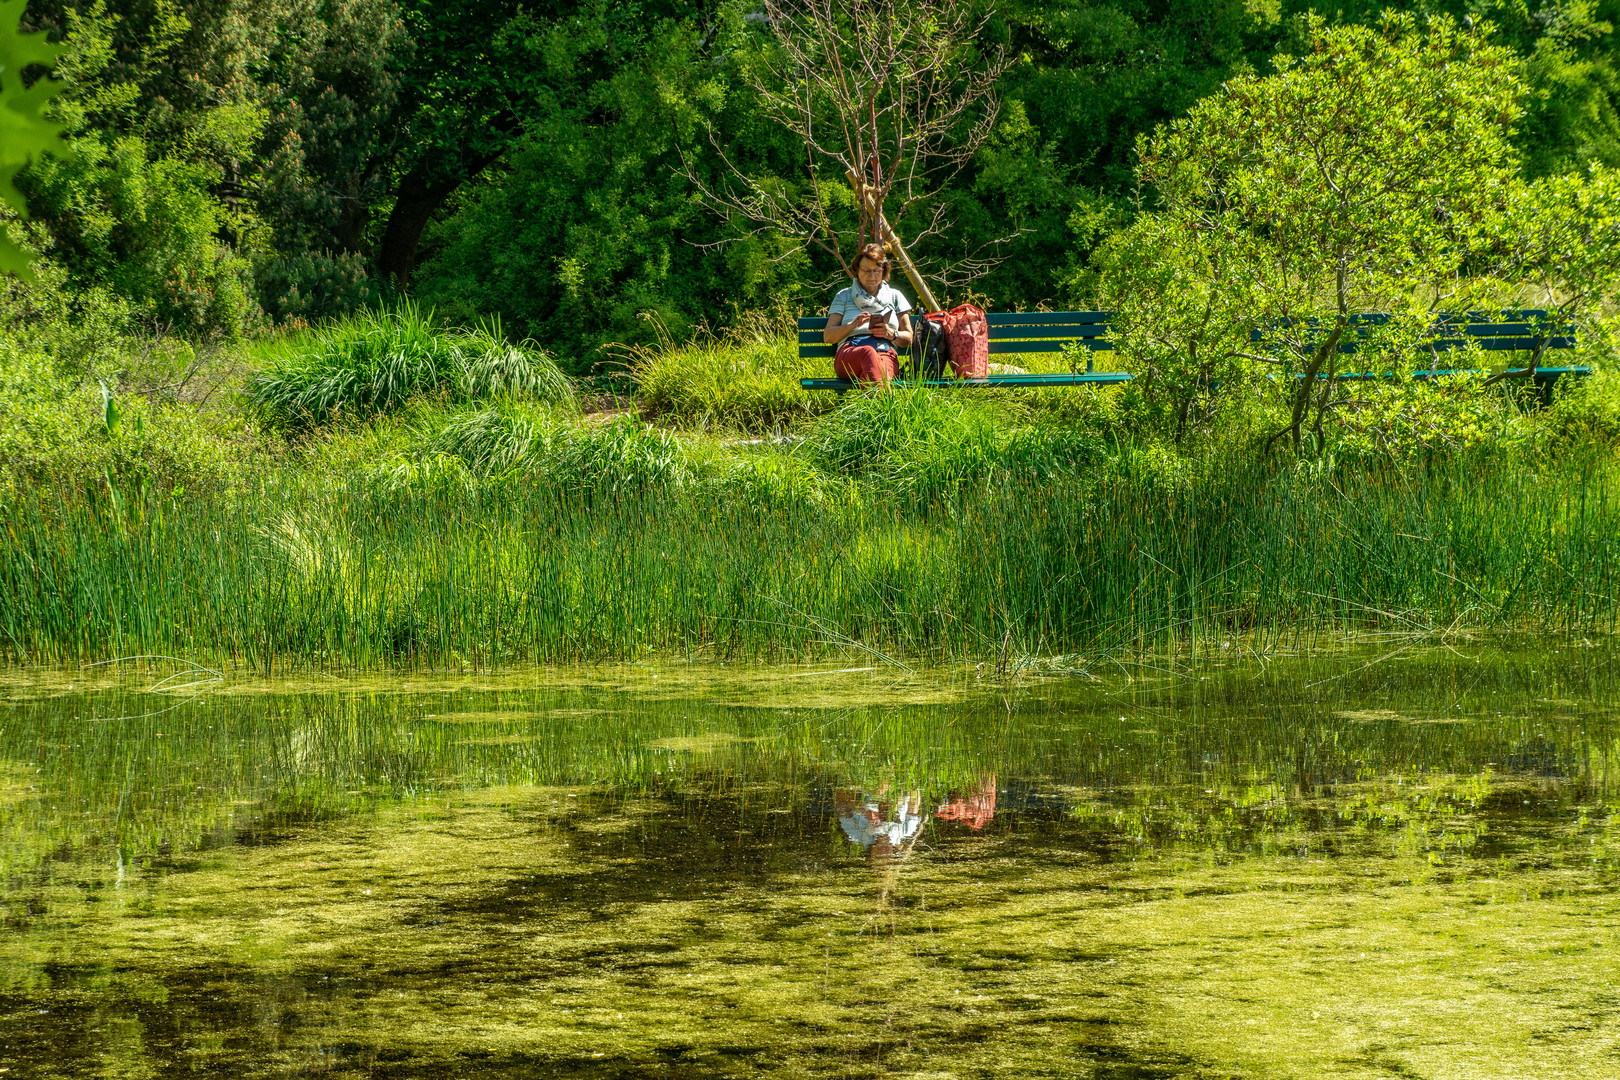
{"points": [[1278, 871]]}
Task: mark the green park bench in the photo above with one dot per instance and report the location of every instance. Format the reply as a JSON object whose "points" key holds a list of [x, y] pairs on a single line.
{"points": [[1514, 330], [1011, 334], [1024, 333]]}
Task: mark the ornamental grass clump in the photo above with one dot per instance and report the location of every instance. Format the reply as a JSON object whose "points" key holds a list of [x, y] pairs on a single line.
{"points": [[493, 441], [517, 442], [374, 362], [520, 445], [748, 381]]}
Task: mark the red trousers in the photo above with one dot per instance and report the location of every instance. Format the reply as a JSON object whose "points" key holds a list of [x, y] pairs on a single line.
{"points": [[863, 363]]}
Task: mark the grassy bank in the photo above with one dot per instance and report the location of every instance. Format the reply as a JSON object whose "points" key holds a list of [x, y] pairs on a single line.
{"points": [[385, 492]]}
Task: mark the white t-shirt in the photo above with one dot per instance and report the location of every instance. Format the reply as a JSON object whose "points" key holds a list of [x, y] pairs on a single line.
{"points": [[855, 301]]}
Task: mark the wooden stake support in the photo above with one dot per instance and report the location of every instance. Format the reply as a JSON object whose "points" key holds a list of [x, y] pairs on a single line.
{"points": [[924, 293]]}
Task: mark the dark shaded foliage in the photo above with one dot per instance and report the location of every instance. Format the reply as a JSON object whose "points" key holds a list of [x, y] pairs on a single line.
{"points": [[505, 160]]}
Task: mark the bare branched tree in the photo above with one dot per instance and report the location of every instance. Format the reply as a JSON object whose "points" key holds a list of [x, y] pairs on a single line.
{"points": [[891, 98]]}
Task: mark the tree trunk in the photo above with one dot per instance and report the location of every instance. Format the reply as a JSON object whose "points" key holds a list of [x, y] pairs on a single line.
{"points": [[421, 192]]}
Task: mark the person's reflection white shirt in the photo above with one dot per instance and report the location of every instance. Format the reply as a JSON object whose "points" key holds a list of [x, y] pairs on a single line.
{"points": [[868, 819]]}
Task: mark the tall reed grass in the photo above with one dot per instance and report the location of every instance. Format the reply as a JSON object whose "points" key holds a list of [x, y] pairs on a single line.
{"points": [[1077, 563], [927, 444]]}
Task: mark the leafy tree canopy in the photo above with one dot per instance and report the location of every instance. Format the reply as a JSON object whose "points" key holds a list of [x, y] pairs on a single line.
{"points": [[229, 162], [1373, 172]]}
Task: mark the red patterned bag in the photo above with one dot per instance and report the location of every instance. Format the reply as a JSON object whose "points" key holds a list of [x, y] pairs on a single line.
{"points": [[968, 333]]}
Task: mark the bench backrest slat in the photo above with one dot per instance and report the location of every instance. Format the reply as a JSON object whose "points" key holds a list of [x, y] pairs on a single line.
{"points": [[1509, 330], [1008, 318], [809, 352], [1377, 318], [1501, 344], [1010, 332], [1048, 318], [1508, 341], [1034, 333], [1088, 333]]}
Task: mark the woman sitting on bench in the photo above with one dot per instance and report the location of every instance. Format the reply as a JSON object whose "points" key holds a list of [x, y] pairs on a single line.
{"points": [[870, 322]]}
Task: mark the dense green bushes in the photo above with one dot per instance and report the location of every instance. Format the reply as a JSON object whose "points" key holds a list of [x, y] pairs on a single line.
{"points": [[313, 286], [1584, 413], [288, 137], [61, 355], [69, 439]]}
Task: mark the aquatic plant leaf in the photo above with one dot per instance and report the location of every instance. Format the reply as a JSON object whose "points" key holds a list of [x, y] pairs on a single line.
{"points": [[23, 131], [110, 413]]}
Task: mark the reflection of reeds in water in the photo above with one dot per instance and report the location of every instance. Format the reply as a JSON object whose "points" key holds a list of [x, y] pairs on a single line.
{"points": [[1217, 762], [550, 571]]}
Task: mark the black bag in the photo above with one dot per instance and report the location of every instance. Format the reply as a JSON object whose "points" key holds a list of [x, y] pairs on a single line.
{"points": [[930, 352]]}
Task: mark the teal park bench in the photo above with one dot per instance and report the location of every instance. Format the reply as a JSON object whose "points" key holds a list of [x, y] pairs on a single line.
{"points": [[1515, 330], [1023, 333], [1011, 335]]}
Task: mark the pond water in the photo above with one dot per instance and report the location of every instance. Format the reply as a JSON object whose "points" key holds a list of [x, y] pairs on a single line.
{"points": [[1353, 865]]}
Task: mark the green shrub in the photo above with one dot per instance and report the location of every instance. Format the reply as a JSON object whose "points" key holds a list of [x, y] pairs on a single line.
{"points": [[748, 382], [147, 225], [377, 360], [53, 434], [64, 421], [81, 333], [1403, 420], [36, 416]]}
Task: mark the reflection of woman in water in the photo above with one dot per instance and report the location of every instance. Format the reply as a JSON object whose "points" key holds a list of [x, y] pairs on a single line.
{"points": [[886, 828], [973, 809], [889, 828]]}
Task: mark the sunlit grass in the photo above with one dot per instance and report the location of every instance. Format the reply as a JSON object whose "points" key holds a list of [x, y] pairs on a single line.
{"points": [[376, 361], [747, 381], [620, 541]]}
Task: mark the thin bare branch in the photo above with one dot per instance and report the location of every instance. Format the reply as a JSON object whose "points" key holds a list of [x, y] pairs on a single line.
{"points": [[899, 94]]}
